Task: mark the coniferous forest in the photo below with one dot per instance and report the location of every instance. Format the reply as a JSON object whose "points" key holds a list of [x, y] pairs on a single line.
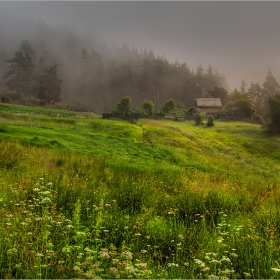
{"points": [[90, 75], [43, 64]]}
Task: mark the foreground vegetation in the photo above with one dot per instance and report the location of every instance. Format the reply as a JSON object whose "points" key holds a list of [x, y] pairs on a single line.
{"points": [[83, 197]]}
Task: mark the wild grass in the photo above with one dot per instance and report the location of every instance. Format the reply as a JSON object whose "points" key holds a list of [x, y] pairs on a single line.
{"points": [[92, 198]]}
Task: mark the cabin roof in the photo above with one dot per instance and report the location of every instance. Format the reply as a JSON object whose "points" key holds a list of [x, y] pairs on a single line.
{"points": [[208, 102]]}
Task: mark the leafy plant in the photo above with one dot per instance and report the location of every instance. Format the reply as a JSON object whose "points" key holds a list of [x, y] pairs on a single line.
{"points": [[199, 117], [210, 121]]}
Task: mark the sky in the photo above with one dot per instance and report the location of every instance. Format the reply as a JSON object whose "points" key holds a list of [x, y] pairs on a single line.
{"points": [[240, 39]]}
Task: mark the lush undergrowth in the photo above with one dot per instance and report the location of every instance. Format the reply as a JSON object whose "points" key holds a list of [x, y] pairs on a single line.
{"points": [[82, 197]]}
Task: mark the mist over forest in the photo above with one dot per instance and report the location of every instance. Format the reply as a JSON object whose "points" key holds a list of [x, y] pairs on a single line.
{"points": [[95, 75], [90, 73]]}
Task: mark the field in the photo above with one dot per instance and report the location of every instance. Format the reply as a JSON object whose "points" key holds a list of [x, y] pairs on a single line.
{"points": [[83, 197]]}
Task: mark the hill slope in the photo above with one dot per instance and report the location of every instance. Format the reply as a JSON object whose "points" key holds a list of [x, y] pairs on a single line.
{"points": [[85, 197]]}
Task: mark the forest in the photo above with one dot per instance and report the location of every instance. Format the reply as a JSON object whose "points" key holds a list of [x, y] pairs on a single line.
{"points": [[42, 64], [96, 76]]}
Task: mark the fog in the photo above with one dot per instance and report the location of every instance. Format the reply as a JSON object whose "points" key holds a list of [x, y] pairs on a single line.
{"points": [[240, 39]]}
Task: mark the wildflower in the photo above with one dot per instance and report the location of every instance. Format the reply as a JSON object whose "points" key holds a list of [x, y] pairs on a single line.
{"points": [[227, 271], [80, 233], [114, 270], [138, 234], [225, 259], [115, 261], [104, 253], [181, 236], [49, 184], [41, 179], [234, 255], [143, 251], [107, 205], [12, 251], [142, 265], [205, 269], [247, 274], [220, 239], [215, 261], [200, 263], [172, 265], [45, 200], [36, 190], [8, 224], [128, 255], [45, 193], [39, 255], [18, 265]]}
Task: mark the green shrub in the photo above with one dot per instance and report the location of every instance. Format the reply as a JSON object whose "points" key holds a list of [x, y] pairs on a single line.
{"points": [[199, 117], [210, 121]]}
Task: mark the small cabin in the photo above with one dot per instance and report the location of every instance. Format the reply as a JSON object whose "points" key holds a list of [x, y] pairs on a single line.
{"points": [[208, 106]]}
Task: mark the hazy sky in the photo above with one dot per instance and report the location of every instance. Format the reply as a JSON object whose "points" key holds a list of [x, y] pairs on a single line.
{"points": [[241, 39]]}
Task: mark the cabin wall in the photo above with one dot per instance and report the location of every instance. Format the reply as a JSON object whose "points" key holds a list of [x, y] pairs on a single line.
{"points": [[214, 111], [207, 110]]}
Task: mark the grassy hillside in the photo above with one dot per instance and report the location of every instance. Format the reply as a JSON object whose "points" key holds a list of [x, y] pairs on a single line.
{"points": [[83, 197]]}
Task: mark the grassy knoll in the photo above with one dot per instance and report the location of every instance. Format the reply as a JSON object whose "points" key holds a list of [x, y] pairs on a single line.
{"points": [[82, 197]]}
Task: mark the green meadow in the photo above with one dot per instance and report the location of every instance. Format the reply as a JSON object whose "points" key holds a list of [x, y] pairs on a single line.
{"points": [[83, 197]]}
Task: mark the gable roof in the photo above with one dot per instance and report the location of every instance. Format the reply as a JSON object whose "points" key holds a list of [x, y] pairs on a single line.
{"points": [[208, 102]]}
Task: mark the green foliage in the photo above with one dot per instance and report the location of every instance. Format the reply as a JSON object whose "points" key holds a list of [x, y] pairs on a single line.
{"points": [[20, 74], [238, 106], [123, 107], [148, 106], [274, 108], [181, 204], [210, 121], [199, 118], [49, 89], [219, 93], [169, 106]]}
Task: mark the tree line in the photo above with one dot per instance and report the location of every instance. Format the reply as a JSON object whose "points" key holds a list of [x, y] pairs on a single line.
{"points": [[31, 77], [95, 83]]}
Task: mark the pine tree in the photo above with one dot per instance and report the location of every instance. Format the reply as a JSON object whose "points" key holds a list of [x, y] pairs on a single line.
{"points": [[49, 85], [20, 74], [271, 85]]}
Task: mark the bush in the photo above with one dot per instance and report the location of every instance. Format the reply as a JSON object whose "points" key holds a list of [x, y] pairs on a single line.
{"points": [[123, 107], [169, 106], [199, 117], [210, 121], [148, 106], [160, 114]]}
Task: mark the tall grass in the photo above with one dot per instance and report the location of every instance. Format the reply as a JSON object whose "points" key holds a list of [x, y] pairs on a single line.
{"points": [[158, 206]]}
